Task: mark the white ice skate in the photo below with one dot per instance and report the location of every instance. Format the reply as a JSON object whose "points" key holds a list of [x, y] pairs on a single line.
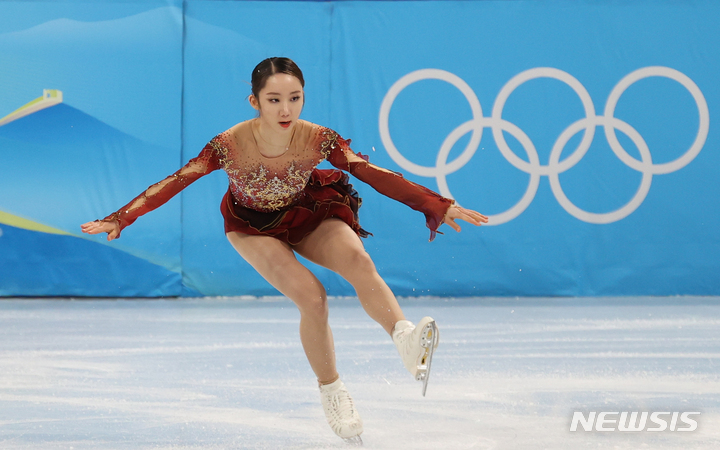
{"points": [[340, 412], [416, 345]]}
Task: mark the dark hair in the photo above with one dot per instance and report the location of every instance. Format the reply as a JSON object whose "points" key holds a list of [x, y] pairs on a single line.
{"points": [[269, 67]]}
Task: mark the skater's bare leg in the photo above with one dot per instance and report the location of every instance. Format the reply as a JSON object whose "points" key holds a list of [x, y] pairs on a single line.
{"points": [[276, 262], [335, 245]]}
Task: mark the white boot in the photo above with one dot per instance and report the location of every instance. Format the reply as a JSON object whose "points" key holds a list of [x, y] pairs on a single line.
{"points": [[416, 345], [340, 411]]}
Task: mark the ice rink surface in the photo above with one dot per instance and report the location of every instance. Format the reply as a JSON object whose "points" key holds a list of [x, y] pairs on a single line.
{"points": [[230, 374]]}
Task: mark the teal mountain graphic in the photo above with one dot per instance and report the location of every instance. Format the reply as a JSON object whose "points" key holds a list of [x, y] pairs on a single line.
{"points": [[58, 166]]}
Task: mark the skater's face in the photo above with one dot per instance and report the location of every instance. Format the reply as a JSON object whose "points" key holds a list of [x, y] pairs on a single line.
{"points": [[280, 102]]}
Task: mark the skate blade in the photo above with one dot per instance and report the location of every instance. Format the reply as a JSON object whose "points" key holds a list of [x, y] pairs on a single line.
{"points": [[354, 441], [429, 340]]}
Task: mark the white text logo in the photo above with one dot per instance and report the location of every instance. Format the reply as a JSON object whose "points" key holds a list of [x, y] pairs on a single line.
{"points": [[634, 421]]}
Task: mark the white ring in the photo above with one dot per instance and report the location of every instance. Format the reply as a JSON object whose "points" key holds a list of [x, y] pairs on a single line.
{"points": [[395, 89], [510, 86], [517, 133], [628, 208], [687, 83]]}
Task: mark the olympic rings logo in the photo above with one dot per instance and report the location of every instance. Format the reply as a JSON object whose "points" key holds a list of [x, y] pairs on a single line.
{"points": [[554, 167]]}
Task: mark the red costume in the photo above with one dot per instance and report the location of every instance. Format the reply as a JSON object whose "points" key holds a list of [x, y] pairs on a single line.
{"points": [[286, 196]]}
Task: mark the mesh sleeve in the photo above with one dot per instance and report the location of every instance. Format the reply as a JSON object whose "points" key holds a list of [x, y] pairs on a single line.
{"points": [[391, 184], [159, 193]]}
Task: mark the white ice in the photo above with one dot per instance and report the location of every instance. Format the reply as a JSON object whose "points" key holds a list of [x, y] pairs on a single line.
{"points": [[230, 374]]}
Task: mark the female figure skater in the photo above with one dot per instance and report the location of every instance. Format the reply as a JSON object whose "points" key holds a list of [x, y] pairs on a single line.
{"points": [[278, 204]]}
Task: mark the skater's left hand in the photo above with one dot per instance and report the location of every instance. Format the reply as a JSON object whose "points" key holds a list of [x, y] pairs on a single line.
{"points": [[468, 215]]}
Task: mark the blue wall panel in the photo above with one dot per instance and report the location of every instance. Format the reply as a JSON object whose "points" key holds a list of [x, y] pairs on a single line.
{"points": [[584, 129]]}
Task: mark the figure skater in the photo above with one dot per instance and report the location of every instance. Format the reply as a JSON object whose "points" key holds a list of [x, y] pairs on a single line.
{"points": [[279, 204]]}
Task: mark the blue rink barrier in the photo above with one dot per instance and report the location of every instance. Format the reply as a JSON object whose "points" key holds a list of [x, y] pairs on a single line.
{"points": [[583, 129]]}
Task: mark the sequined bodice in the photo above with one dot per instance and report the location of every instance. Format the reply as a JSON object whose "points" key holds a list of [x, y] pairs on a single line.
{"points": [[268, 184]]}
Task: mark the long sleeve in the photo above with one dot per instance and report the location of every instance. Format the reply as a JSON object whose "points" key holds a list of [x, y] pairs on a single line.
{"points": [[159, 193], [386, 182]]}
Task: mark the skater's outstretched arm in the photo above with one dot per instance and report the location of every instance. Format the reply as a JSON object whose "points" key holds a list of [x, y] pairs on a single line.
{"points": [[437, 209], [156, 195]]}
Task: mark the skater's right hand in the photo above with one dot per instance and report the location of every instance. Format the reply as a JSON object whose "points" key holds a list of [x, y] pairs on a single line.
{"points": [[100, 226]]}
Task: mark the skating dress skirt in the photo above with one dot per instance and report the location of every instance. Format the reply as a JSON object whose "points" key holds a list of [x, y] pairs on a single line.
{"points": [[326, 195]]}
